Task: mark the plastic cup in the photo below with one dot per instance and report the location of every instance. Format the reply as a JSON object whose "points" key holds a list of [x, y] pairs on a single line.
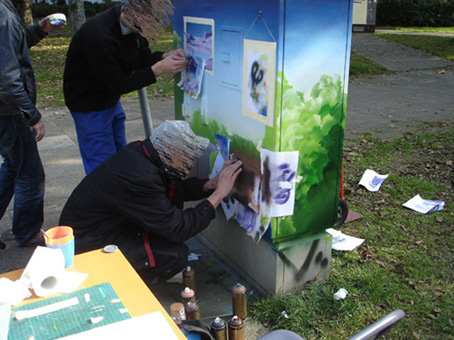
{"points": [[62, 237]]}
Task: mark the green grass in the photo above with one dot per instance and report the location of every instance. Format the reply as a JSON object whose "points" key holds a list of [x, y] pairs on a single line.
{"points": [[418, 29], [360, 65], [407, 259], [48, 58], [439, 46]]}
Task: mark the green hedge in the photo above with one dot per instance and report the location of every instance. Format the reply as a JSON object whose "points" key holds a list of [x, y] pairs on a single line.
{"points": [[420, 13], [40, 10]]}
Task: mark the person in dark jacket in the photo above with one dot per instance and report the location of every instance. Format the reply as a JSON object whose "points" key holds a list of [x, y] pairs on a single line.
{"points": [[21, 127], [109, 57], [135, 200]]}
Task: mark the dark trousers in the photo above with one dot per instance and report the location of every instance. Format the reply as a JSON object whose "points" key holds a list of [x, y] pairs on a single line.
{"points": [[21, 176], [169, 257]]}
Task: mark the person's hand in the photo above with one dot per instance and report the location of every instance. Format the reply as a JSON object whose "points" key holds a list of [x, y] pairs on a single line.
{"points": [[178, 52], [213, 183], [47, 27], [225, 182], [38, 128], [171, 64]]}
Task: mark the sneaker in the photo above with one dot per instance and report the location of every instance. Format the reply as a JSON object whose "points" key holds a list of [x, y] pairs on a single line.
{"points": [[35, 241]]}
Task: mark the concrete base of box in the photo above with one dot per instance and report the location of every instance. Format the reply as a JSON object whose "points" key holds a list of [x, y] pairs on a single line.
{"points": [[265, 268]]}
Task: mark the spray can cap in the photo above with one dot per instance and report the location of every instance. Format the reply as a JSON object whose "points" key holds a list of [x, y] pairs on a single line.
{"points": [[218, 323], [239, 289], [187, 293], [236, 322]]}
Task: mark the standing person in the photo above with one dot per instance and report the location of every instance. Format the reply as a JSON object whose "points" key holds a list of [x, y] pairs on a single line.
{"points": [[108, 57], [21, 173], [135, 201]]}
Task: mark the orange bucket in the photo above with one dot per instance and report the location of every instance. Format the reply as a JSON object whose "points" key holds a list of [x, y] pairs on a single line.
{"points": [[59, 235]]}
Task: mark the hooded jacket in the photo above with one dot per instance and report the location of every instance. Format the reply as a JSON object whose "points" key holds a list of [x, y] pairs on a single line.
{"points": [[17, 80], [131, 194]]}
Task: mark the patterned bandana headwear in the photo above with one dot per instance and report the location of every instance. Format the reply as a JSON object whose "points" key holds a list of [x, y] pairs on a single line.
{"points": [[178, 147]]}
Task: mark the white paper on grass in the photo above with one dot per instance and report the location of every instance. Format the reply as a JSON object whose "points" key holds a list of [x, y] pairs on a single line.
{"points": [[371, 180], [342, 241], [421, 205], [282, 168]]}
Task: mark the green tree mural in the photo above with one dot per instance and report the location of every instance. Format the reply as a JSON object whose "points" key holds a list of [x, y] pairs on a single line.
{"points": [[314, 126]]}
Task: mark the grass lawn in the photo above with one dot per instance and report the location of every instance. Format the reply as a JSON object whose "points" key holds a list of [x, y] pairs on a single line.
{"points": [[418, 29], [407, 259], [48, 58], [440, 46]]}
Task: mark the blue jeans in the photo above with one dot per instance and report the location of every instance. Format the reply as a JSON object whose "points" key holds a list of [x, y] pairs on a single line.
{"points": [[100, 134], [21, 176]]}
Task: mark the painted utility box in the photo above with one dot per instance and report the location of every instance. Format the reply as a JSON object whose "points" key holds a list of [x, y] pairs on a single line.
{"points": [[266, 82]]}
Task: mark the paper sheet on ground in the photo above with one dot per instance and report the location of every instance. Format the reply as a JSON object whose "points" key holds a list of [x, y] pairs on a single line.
{"points": [[342, 241], [371, 180], [421, 205]]}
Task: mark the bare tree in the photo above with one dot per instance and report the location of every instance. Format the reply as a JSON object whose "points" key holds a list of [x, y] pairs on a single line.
{"points": [[76, 13], [24, 8]]}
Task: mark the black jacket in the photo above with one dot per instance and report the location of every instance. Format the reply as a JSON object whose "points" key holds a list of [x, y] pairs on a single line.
{"points": [[102, 63], [17, 80], [130, 194]]}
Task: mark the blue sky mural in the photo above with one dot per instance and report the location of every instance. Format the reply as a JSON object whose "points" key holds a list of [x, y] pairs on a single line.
{"points": [[314, 45]]}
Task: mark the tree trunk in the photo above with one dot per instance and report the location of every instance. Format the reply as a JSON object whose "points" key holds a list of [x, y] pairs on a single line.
{"points": [[76, 13], [24, 7]]}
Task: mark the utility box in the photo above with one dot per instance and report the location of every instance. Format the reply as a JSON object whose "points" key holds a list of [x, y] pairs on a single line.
{"points": [[364, 14], [266, 82]]}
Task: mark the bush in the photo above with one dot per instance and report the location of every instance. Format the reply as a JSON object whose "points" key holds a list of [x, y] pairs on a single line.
{"points": [[422, 13], [40, 10]]}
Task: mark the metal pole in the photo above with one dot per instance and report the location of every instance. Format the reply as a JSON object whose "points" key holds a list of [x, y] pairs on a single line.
{"points": [[145, 110]]}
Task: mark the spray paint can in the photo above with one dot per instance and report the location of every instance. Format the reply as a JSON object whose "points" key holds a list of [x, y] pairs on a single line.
{"points": [[239, 301], [177, 313], [192, 310], [218, 329], [187, 295], [236, 328], [189, 278]]}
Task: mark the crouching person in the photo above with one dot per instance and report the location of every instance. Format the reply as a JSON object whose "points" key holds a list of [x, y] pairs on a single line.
{"points": [[135, 201]]}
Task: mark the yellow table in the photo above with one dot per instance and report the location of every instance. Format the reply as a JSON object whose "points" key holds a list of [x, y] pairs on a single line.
{"points": [[115, 269]]}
